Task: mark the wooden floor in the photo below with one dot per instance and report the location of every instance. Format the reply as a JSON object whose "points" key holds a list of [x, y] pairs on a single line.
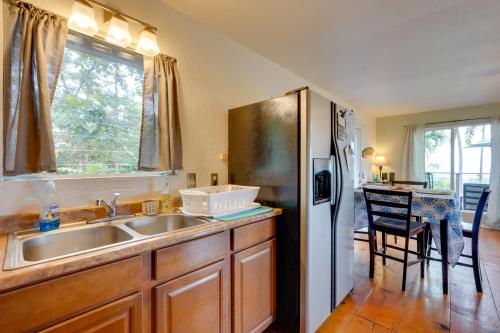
{"points": [[378, 305]]}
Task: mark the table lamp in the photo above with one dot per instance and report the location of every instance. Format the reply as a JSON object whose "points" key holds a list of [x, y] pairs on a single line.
{"points": [[379, 160]]}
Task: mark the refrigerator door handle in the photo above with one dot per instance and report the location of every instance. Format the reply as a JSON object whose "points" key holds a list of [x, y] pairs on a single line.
{"points": [[333, 182]]}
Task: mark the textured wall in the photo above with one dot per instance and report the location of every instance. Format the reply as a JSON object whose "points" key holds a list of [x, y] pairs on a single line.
{"points": [[215, 74]]}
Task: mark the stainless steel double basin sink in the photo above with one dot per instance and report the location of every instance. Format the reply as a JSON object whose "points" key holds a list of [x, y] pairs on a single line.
{"points": [[26, 248]]}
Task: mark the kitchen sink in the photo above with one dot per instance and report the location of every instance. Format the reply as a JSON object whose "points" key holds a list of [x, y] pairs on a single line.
{"points": [[30, 247], [161, 224], [68, 242]]}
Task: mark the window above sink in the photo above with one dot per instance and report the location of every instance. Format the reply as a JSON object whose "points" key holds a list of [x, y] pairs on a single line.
{"points": [[97, 107]]}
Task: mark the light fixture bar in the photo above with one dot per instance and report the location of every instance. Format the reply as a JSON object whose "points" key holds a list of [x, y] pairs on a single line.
{"points": [[117, 12]]}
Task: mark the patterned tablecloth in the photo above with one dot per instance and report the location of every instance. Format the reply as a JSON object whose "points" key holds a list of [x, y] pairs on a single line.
{"points": [[434, 208]]}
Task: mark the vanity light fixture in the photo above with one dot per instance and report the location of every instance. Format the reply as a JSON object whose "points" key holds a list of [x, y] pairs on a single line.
{"points": [[82, 18], [148, 44], [118, 32]]}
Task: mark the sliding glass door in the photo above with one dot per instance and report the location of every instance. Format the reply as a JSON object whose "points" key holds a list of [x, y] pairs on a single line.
{"points": [[438, 157], [458, 157]]}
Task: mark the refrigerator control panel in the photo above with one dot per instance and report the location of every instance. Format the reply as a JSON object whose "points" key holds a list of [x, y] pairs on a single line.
{"points": [[322, 186]]}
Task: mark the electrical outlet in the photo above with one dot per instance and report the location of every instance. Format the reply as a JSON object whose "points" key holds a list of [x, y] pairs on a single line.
{"points": [[191, 180], [214, 179]]}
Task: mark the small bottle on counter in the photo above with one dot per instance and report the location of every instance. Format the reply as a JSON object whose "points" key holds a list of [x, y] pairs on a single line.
{"points": [[167, 197], [50, 216]]}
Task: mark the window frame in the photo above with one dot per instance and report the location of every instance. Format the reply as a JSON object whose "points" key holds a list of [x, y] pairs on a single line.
{"points": [[80, 41], [453, 127]]}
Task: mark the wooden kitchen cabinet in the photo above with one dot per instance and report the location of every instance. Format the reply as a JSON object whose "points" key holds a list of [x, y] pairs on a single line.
{"points": [[254, 288], [197, 302], [121, 316]]}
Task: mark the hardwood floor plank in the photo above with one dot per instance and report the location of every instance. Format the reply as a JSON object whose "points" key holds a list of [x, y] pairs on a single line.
{"points": [[489, 246], [384, 307], [359, 324], [357, 297], [426, 309], [337, 322], [492, 277], [470, 310]]}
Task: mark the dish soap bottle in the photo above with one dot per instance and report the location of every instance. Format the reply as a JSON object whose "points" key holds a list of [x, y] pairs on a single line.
{"points": [[49, 212], [167, 197]]}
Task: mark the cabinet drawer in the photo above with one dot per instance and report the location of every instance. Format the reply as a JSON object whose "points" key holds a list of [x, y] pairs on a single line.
{"points": [[179, 259], [48, 302], [122, 316], [251, 234]]}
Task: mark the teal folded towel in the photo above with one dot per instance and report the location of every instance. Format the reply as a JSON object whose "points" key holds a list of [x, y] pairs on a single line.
{"points": [[240, 215]]}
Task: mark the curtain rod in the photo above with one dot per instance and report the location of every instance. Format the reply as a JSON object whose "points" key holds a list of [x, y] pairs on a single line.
{"points": [[115, 11], [457, 121]]}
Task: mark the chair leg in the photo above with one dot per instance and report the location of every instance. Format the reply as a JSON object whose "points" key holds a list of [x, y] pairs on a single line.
{"points": [[477, 274], [372, 240], [395, 239], [405, 263], [476, 265], [421, 240], [443, 228], [384, 247], [429, 244]]}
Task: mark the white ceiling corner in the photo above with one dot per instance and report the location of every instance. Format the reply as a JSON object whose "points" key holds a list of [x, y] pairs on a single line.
{"points": [[385, 56]]}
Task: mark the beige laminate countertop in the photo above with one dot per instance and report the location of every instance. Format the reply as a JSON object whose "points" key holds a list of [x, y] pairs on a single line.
{"points": [[12, 279]]}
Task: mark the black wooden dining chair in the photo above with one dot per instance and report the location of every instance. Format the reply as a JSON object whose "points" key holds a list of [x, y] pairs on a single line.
{"points": [[383, 203], [469, 231]]}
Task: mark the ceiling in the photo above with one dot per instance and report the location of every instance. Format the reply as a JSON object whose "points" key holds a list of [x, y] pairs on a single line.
{"points": [[386, 57]]}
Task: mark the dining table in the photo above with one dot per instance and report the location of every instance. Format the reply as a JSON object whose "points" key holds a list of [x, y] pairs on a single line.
{"points": [[440, 208]]}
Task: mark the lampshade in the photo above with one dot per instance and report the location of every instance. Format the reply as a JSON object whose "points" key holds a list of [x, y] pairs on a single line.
{"points": [[118, 32], [379, 160], [82, 18], [367, 152], [147, 44]]}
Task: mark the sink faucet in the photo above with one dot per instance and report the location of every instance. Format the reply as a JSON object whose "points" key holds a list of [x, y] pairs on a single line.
{"points": [[111, 206]]}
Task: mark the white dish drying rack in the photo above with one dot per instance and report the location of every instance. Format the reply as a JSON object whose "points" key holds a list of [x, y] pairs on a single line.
{"points": [[218, 200]]}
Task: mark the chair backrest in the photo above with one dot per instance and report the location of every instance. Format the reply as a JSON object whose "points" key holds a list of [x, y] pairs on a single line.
{"points": [[483, 200], [430, 179], [409, 182], [472, 194], [390, 204]]}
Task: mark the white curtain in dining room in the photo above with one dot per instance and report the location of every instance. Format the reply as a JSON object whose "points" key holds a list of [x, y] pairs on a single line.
{"points": [[493, 214], [413, 166]]}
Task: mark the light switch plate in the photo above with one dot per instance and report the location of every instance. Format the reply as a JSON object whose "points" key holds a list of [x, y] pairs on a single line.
{"points": [[214, 179]]}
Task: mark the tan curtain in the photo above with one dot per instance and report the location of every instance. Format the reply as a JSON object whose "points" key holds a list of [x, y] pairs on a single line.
{"points": [[161, 146], [413, 162], [34, 47]]}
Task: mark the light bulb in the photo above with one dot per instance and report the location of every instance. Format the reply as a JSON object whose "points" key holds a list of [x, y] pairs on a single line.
{"points": [[82, 18], [118, 32], [148, 44]]}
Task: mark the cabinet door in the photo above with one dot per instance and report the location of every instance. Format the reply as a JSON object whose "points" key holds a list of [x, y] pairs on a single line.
{"points": [[124, 315], [254, 288], [196, 302]]}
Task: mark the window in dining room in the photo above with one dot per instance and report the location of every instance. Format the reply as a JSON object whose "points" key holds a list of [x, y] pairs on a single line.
{"points": [[458, 156]]}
